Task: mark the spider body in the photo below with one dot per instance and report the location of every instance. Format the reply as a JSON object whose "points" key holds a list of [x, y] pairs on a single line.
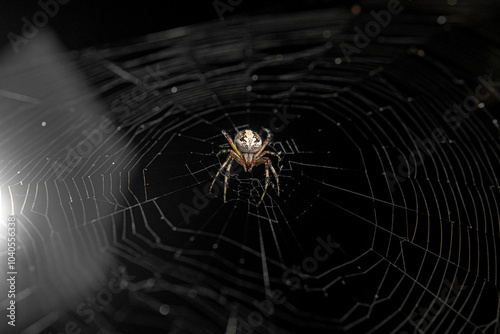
{"points": [[247, 149]]}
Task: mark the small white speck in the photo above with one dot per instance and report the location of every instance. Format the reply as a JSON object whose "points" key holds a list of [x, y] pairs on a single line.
{"points": [[338, 60], [164, 309], [255, 77], [173, 89], [44, 123], [480, 105], [249, 88], [441, 19]]}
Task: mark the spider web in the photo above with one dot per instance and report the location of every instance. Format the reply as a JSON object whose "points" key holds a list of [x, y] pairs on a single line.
{"points": [[403, 249]]}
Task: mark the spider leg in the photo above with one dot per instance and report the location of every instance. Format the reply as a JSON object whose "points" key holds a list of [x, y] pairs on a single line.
{"points": [[220, 169], [275, 176], [225, 178], [269, 164], [231, 143], [272, 153], [267, 180], [224, 151], [265, 143]]}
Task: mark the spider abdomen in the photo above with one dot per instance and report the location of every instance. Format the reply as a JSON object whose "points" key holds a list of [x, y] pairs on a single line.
{"points": [[248, 141]]}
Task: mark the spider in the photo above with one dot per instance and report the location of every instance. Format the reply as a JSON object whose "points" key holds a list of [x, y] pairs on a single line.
{"points": [[248, 151]]}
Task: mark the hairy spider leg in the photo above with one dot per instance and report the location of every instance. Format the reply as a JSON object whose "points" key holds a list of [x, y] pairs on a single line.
{"points": [[269, 152], [229, 157], [232, 144], [265, 142], [275, 176], [224, 151], [266, 162], [225, 178]]}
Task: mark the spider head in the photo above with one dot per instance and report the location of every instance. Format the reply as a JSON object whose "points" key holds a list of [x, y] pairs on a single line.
{"points": [[248, 141]]}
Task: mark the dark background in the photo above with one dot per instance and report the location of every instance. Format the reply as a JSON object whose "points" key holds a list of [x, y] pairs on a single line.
{"points": [[83, 23]]}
